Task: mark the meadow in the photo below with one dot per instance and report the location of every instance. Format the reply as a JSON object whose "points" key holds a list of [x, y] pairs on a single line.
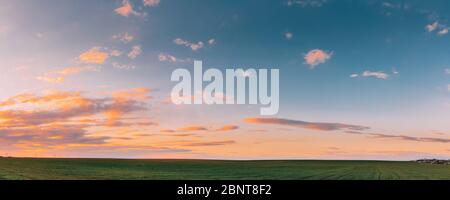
{"points": [[123, 169]]}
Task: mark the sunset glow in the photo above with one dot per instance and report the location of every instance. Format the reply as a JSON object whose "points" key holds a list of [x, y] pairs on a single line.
{"points": [[93, 79]]}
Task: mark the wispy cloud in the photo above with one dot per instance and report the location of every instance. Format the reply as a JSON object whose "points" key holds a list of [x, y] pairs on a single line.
{"points": [[167, 131], [124, 37], [3, 29], [116, 53], [432, 27], [447, 71], [151, 3], [212, 41], [354, 75], [288, 35], [402, 137], [228, 128], [127, 9], [316, 57], [444, 31], [376, 74], [164, 57], [60, 75], [122, 66], [209, 143], [194, 46], [322, 126], [76, 70], [193, 128], [435, 26], [58, 117]]}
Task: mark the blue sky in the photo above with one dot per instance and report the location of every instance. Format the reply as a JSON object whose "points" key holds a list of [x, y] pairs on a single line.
{"points": [[382, 64]]}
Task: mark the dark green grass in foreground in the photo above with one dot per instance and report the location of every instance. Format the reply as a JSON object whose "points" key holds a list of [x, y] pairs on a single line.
{"points": [[27, 168]]}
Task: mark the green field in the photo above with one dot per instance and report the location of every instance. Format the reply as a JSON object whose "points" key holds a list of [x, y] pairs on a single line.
{"points": [[30, 168]]}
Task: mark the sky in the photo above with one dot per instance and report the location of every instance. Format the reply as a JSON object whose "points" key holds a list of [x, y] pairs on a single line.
{"points": [[359, 79]]}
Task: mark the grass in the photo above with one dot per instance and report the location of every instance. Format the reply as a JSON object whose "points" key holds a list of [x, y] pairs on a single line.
{"points": [[116, 169]]}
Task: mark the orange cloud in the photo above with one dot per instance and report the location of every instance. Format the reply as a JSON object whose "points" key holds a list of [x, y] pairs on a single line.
{"points": [[50, 79], [193, 128], [164, 57], [94, 56], [228, 128], [316, 57], [200, 128], [136, 50], [126, 9]]}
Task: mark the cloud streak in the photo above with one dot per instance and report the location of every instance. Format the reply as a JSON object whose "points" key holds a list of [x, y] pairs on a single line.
{"points": [[443, 29], [124, 37], [346, 128], [321, 126], [164, 57], [375, 74], [151, 3], [94, 56]]}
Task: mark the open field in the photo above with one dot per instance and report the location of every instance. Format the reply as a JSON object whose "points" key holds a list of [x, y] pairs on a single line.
{"points": [[31, 168]]}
